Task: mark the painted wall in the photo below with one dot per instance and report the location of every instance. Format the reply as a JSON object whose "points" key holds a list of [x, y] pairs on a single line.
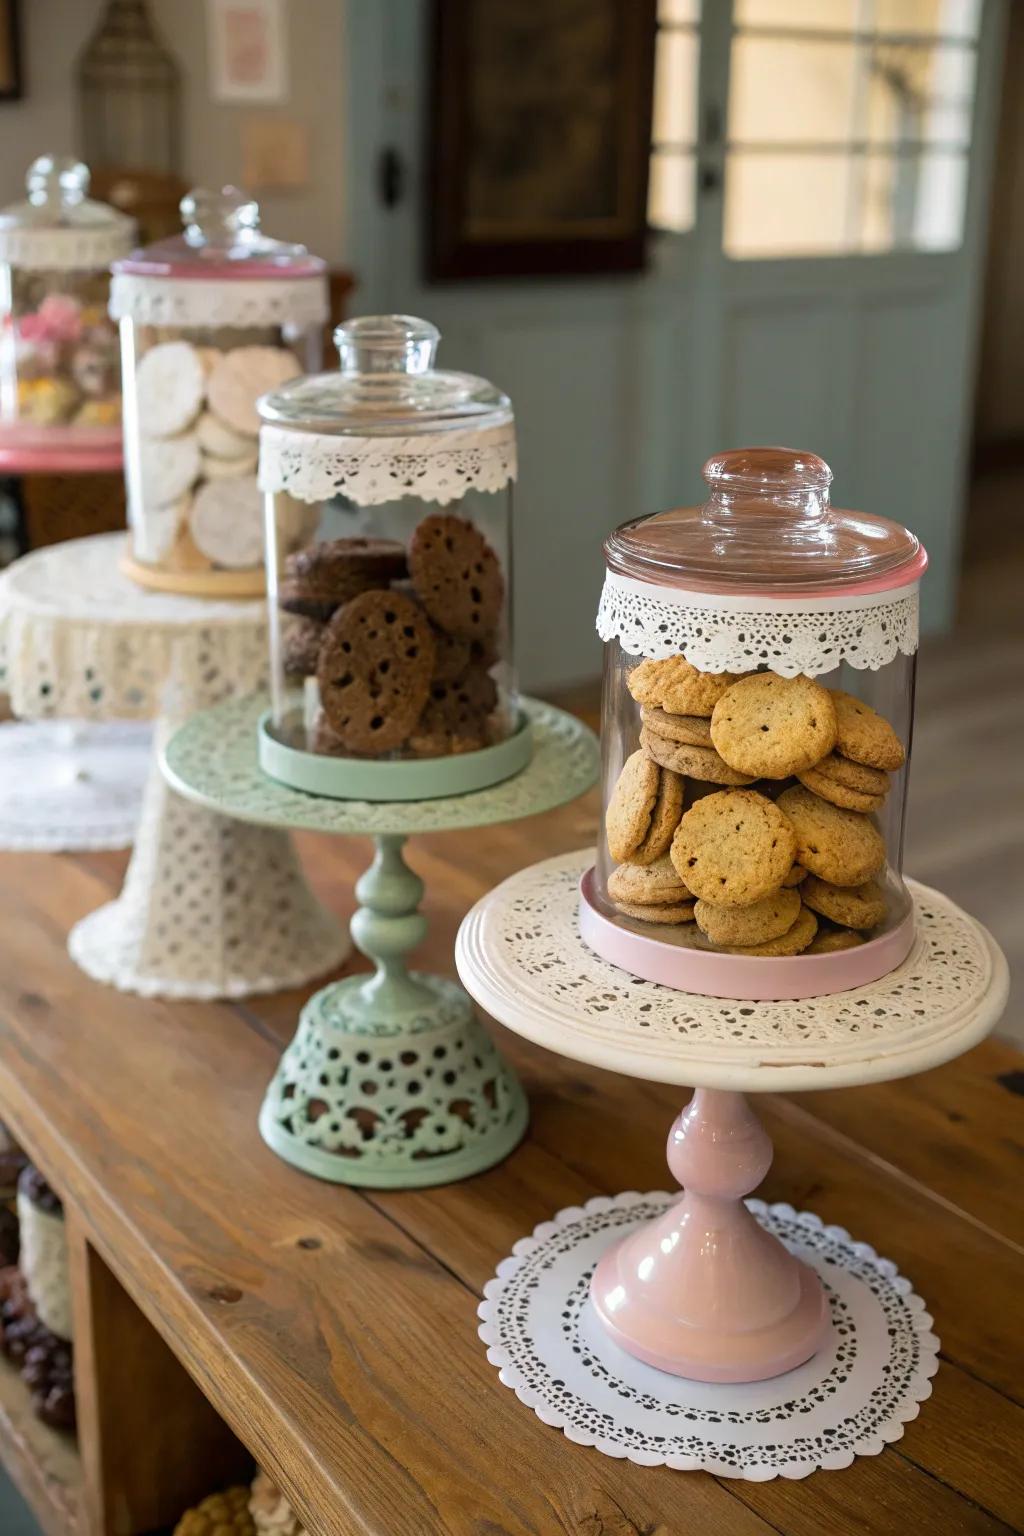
{"points": [[55, 32]]}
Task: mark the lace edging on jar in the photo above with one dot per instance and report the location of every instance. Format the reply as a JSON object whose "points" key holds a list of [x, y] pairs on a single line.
{"points": [[719, 633], [71, 248], [439, 466], [209, 303]]}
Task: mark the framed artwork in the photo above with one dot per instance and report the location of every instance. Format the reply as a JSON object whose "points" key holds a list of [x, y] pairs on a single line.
{"points": [[541, 136], [248, 50], [10, 51]]}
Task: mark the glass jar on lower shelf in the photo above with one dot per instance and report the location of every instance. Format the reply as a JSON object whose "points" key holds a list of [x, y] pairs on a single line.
{"points": [[757, 718], [389, 501]]}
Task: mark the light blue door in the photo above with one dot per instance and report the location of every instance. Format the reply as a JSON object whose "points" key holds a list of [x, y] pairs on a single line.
{"points": [[827, 183]]}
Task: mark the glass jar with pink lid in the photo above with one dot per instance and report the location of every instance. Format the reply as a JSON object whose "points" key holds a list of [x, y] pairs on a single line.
{"points": [[211, 319], [757, 712], [60, 375]]}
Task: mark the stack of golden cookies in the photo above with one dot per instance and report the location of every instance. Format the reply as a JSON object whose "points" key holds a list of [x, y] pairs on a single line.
{"points": [[747, 811]]}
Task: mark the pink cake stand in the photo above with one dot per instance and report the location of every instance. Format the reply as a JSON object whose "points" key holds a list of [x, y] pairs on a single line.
{"points": [[704, 1291], [28, 450]]}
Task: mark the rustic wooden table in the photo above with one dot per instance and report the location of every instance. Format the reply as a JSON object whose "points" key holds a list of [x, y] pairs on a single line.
{"points": [[229, 1307]]}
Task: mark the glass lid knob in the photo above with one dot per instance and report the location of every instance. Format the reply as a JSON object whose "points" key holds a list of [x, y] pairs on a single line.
{"points": [[57, 180], [766, 480], [386, 344], [218, 218]]}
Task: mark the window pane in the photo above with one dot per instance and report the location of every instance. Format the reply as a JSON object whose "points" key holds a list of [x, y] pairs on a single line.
{"points": [[896, 111], [679, 12], [672, 195], [939, 18], [783, 91], [675, 88], [819, 15], [787, 205]]}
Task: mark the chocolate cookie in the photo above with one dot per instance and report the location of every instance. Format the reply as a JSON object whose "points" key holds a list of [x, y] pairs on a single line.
{"points": [[457, 576], [455, 716], [318, 580], [300, 644], [376, 661]]}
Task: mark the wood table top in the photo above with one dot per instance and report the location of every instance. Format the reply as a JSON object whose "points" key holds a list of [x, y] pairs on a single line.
{"points": [[335, 1330]]}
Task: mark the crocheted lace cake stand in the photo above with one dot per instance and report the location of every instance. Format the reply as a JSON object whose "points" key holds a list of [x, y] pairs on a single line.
{"points": [[68, 785], [209, 907], [391, 1080], [638, 1324]]}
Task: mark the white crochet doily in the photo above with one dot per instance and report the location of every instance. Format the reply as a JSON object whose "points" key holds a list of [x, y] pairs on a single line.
{"points": [[435, 466], [719, 633], [68, 785], [851, 1399], [519, 953], [67, 248], [209, 303]]}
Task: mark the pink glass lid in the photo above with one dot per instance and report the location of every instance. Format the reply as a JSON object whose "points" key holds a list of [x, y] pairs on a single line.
{"points": [[221, 239], [57, 188], [767, 526], [386, 383]]}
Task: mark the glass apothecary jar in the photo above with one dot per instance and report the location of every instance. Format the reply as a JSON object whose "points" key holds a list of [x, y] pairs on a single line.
{"points": [[756, 725], [210, 320], [60, 373], [389, 575]]}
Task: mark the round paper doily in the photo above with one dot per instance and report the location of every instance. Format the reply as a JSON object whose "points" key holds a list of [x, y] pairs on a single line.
{"points": [[68, 786], [851, 1399]]}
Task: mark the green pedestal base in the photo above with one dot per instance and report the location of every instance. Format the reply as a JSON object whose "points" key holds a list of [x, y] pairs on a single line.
{"points": [[392, 1091]]}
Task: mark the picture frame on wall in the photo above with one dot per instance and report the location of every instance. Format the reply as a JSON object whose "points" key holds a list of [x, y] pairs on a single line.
{"points": [[11, 79], [247, 50], [540, 137]]}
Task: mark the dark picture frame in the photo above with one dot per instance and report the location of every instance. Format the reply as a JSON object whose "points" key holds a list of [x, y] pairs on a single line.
{"points": [[11, 79], [540, 137]]}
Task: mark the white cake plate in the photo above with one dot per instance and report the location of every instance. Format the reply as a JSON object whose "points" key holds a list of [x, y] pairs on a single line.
{"points": [[210, 907], [71, 786], [704, 1290]]}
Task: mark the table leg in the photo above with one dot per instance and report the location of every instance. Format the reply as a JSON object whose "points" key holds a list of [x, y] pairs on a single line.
{"points": [[391, 1080], [704, 1291], [210, 907]]}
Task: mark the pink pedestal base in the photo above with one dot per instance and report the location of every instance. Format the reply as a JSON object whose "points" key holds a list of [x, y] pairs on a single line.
{"points": [[704, 1292]]}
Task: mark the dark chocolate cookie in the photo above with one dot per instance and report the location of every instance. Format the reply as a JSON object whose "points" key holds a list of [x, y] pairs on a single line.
{"points": [[455, 716], [317, 580], [374, 670], [457, 576], [300, 644]]}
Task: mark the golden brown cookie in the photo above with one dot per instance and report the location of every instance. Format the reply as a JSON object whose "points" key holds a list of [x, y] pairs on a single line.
{"points": [[766, 919], [628, 817], [694, 730], [653, 884], [698, 762], [796, 874], [668, 807], [864, 736], [374, 669], [456, 575], [770, 726], [676, 687], [793, 942], [827, 940], [843, 847], [855, 906], [838, 794], [865, 780], [675, 912], [733, 848]]}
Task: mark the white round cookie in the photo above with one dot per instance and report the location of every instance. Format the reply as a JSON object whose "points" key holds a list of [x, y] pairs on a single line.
{"points": [[169, 385], [221, 441], [168, 466], [154, 533], [227, 522], [239, 379], [229, 469]]}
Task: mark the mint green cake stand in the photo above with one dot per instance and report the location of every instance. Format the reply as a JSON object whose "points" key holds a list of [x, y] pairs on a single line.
{"points": [[391, 1080]]}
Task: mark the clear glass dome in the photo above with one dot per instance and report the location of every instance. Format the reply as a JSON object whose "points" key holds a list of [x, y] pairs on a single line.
{"points": [[211, 319], [756, 728], [389, 505], [60, 376]]}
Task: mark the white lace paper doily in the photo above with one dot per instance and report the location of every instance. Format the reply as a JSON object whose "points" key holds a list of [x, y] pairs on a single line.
{"points": [[435, 466], [850, 1399], [68, 247], [725, 633], [285, 302], [68, 786]]}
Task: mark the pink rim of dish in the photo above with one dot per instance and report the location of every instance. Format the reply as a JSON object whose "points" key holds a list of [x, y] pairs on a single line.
{"points": [[33, 450], [740, 978], [906, 575], [219, 271]]}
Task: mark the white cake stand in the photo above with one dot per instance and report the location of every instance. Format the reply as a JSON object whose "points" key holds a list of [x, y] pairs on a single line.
{"points": [[703, 1287], [210, 907], [69, 786]]}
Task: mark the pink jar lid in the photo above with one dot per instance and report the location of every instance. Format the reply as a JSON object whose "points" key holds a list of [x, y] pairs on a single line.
{"points": [[768, 528], [221, 240]]}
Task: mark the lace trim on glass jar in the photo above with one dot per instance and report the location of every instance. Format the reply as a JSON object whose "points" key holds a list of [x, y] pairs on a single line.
{"points": [[719, 633], [212, 302], [436, 466], [76, 248]]}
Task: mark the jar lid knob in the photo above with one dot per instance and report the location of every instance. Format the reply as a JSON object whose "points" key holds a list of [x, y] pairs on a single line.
{"points": [[767, 472], [386, 344], [58, 179], [218, 217]]}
